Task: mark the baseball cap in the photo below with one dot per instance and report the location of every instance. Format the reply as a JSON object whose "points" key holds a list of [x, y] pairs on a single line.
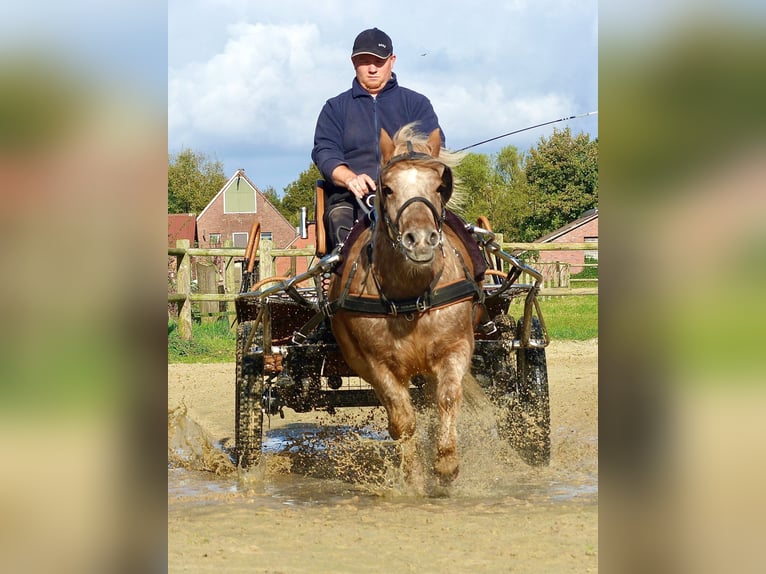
{"points": [[373, 41]]}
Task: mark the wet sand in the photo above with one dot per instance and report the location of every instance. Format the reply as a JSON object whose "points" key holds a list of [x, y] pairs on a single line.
{"points": [[329, 496]]}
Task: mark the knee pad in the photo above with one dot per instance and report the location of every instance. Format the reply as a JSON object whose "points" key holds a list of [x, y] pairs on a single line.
{"points": [[339, 219]]}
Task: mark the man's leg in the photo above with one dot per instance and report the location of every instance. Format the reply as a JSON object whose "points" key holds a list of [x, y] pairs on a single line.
{"points": [[339, 219]]}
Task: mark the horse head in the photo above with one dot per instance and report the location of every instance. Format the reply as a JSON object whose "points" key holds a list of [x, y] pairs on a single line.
{"points": [[413, 190]]}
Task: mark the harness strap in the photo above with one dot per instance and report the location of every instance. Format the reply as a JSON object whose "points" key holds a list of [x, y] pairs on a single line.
{"points": [[302, 334], [444, 296]]}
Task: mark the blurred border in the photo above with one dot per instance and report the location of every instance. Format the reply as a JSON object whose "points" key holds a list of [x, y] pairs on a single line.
{"points": [[83, 174], [683, 201], [83, 159]]}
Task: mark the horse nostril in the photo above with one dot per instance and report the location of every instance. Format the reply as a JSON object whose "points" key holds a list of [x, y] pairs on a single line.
{"points": [[433, 239], [409, 240]]}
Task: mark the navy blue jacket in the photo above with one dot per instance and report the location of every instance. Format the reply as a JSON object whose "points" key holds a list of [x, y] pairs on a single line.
{"points": [[348, 128]]}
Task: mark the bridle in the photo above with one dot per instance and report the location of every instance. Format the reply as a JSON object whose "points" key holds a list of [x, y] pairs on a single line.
{"points": [[435, 295], [445, 191]]}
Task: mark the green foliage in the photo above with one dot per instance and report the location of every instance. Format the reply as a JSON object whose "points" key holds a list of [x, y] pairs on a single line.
{"points": [[526, 196], [299, 194], [587, 272], [562, 173], [494, 186], [271, 194], [193, 180], [211, 343]]}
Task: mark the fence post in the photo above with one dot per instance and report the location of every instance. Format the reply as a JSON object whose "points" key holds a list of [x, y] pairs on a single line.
{"points": [[207, 280], [183, 286], [293, 265], [503, 264], [265, 261], [229, 282]]}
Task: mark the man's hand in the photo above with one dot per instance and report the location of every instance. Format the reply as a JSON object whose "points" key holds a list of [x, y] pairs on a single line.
{"points": [[360, 185]]}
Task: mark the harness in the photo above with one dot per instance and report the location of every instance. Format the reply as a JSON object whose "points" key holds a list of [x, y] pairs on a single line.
{"points": [[434, 296]]}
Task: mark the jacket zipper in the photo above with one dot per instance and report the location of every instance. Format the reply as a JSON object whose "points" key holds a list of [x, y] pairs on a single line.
{"points": [[375, 136]]}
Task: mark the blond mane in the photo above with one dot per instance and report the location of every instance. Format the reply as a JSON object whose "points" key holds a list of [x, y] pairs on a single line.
{"points": [[419, 141]]}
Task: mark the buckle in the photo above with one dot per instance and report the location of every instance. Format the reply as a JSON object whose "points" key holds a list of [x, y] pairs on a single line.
{"points": [[299, 337], [488, 328]]}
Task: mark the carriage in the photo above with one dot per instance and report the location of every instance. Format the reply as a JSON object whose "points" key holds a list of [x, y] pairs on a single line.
{"points": [[288, 357]]}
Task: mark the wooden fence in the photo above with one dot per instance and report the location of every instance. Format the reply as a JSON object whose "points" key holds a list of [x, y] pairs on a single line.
{"points": [[557, 281]]}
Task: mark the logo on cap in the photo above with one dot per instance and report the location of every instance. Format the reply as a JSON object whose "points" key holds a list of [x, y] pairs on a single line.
{"points": [[372, 41]]}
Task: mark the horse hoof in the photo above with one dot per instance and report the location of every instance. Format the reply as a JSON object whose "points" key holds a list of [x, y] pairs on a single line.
{"points": [[447, 476]]}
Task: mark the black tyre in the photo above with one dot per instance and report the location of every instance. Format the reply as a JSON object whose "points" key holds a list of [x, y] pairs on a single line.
{"points": [[530, 413], [248, 430], [493, 367]]}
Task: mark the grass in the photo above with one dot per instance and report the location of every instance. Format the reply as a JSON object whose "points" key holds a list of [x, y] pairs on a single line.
{"points": [[582, 278], [211, 343], [573, 318]]}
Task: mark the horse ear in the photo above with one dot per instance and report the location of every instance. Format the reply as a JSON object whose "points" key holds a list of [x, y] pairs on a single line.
{"points": [[435, 142], [386, 146], [445, 189]]}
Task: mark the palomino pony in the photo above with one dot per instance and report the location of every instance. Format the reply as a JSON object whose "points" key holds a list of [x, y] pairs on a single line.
{"points": [[404, 303]]}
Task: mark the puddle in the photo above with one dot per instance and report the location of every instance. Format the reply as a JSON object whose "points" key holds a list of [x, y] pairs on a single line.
{"points": [[325, 463]]}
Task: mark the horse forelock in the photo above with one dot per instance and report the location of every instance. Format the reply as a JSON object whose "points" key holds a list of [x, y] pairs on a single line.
{"points": [[409, 134], [419, 142]]}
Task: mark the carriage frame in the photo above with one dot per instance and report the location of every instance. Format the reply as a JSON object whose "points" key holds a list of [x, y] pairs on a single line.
{"points": [[287, 357]]}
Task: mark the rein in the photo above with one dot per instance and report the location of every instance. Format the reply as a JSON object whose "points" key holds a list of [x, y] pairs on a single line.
{"points": [[392, 227], [434, 296]]}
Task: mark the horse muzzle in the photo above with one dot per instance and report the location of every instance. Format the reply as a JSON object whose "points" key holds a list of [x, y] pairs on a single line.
{"points": [[419, 245]]}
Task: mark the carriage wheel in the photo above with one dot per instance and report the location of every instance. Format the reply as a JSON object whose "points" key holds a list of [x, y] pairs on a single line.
{"points": [[248, 430], [530, 415]]}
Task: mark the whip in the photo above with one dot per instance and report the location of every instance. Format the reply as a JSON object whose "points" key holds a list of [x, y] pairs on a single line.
{"points": [[529, 128]]}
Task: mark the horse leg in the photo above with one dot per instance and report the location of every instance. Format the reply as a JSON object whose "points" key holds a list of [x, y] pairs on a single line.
{"points": [[449, 396], [401, 426]]}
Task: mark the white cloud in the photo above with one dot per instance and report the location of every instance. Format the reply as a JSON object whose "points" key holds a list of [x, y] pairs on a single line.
{"points": [[254, 88], [257, 90]]}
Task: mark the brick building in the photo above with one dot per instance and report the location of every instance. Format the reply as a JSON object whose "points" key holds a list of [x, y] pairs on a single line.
{"points": [[182, 226], [232, 212], [582, 230]]}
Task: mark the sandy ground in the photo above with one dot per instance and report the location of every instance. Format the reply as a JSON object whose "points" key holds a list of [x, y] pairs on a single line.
{"points": [[300, 513]]}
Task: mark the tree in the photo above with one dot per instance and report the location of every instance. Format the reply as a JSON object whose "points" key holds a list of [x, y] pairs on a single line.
{"points": [[300, 193], [271, 194], [562, 174], [495, 186], [193, 180], [475, 177]]}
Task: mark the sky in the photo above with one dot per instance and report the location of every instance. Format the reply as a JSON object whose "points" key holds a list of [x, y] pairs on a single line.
{"points": [[247, 80]]}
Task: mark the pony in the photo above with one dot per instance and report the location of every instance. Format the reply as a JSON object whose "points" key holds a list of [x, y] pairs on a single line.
{"points": [[405, 298]]}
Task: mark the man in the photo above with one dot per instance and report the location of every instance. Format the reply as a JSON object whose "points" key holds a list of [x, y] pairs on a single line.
{"points": [[346, 148]]}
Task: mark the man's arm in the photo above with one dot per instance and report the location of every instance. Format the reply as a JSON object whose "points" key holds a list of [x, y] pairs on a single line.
{"points": [[360, 185], [329, 157], [327, 153]]}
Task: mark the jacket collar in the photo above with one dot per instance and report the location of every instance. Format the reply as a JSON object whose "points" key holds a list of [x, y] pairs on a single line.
{"points": [[357, 91]]}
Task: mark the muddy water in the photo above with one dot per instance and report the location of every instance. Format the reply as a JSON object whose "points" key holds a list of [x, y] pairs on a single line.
{"points": [[329, 495]]}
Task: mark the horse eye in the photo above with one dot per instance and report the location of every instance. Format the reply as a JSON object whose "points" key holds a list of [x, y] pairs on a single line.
{"points": [[387, 191]]}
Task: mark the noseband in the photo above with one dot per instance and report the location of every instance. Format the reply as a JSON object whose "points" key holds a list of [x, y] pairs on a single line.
{"points": [[392, 227]]}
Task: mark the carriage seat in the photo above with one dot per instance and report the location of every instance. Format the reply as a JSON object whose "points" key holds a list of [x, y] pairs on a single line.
{"points": [[321, 240]]}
